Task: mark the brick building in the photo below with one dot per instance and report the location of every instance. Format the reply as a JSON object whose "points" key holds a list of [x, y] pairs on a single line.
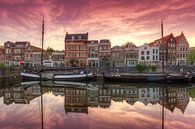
{"points": [[2, 56], [117, 56], [182, 47], [33, 56], [58, 58], [15, 53], [167, 50], [105, 52], [131, 55], [76, 50]]}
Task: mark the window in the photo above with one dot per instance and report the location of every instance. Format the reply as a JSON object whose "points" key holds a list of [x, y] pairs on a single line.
{"points": [[142, 58], [72, 37], [153, 51], [148, 58], [148, 52], [17, 51], [142, 52]]}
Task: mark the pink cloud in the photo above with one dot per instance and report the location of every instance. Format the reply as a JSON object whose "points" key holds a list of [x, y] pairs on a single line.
{"points": [[121, 21]]}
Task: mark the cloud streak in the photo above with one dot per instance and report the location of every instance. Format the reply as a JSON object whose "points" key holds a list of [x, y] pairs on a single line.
{"points": [[120, 21]]}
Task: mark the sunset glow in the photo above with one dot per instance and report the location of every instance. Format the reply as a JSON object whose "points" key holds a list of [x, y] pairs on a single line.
{"points": [[117, 20]]}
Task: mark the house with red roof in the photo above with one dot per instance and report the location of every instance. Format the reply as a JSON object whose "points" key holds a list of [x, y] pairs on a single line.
{"points": [[167, 50]]}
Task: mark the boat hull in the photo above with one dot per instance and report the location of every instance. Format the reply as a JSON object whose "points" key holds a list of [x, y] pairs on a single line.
{"points": [[193, 79], [30, 77], [136, 78], [77, 77], [179, 79]]}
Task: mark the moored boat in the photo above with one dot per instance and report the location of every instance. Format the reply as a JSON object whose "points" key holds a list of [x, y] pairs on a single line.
{"points": [[82, 76], [30, 76], [179, 78], [193, 77], [140, 78]]}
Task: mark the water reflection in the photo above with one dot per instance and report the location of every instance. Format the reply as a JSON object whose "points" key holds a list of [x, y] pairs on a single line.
{"points": [[78, 99], [93, 97]]}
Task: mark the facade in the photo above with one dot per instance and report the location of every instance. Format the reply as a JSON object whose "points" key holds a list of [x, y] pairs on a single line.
{"points": [[149, 95], [131, 55], [182, 99], [105, 52], [167, 50], [1, 56], [33, 56], [117, 56], [148, 55], [75, 100], [15, 53], [104, 98], [58, 58], [131, 95], [92, 49], [76, 50], [182, 47]]}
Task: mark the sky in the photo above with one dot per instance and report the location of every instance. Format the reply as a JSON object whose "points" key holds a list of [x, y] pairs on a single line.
{"points": [[136, 21]]}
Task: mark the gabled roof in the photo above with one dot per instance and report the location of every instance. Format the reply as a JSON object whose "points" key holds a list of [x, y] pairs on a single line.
{"points": [[93, 42], [21, 44], [34, 49], [104, 41], [178, 38], [81, 36], [165, 39]]}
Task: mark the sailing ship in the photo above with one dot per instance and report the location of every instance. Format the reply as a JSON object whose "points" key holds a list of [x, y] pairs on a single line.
{"points": [[31, 75]]}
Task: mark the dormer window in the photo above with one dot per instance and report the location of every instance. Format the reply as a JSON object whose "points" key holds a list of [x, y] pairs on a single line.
{"points": [[72, 37], [79, 36]]}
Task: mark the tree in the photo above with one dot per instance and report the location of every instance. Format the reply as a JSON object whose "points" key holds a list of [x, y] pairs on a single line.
{"points": [[74, 63], [191, 57], [153, 68], [140, 67], [50, 50]]}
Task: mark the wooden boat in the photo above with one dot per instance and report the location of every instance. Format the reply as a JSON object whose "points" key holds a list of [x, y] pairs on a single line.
{"points": [[141, 78], [179, 78], [74, 77], [30, 76]]}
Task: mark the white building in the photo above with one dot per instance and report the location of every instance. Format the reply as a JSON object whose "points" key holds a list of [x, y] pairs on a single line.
{"points": [[148, 55], [149, 95], [92, 50]]}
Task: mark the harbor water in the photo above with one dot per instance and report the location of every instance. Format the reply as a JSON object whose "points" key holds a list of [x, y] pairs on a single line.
{"points": [[34, 105]]}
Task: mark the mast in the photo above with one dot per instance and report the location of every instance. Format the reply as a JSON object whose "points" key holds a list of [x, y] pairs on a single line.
{"points": [[42, 127], [162, 45], [42, 44]]}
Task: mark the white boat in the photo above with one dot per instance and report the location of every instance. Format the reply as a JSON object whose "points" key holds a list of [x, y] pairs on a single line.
{"points": [[75, 85], [74, 77], [30, 76]]}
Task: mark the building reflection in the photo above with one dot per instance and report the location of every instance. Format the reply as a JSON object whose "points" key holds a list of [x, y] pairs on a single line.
{"points": [[78, 100]]}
